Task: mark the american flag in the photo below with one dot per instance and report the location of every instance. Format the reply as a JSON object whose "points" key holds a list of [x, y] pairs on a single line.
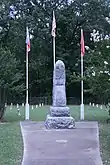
{"points": [[82, 44], [27, 39], [53, 25]]}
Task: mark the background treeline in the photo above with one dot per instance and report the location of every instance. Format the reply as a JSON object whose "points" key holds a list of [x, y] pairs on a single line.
{"points": [[91, 15]]}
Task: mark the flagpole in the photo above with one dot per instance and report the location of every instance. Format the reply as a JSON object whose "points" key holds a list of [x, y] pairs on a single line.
{"points": [[27, 74], [82, 90], [54, 51], [53, 35], [82, 104]]}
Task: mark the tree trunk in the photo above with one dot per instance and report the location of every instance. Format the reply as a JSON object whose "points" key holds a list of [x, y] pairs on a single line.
{"points": [[2, 102]]}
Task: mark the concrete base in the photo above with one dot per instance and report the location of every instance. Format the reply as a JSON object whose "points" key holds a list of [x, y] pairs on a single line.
{"points": [[82, 112], [27, 111], [59, 122]]}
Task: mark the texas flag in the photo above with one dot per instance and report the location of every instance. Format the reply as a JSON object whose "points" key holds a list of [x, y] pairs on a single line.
{"points": [[27, 39], [82, 44]]}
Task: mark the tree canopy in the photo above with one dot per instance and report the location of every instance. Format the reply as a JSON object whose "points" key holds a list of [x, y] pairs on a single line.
{"points": [[91, 15]]}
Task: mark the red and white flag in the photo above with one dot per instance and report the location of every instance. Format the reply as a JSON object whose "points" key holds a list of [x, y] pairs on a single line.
{"points": [[53, 25], [82, 44], [27, 39]]}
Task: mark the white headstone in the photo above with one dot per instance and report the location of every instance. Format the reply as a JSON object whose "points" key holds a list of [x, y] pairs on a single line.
{"points": [[39, 105], [32, 107], [19, 114], [11, 105], [101, 107], [36, 106], [17, 105], [93, 104], [90, 103], [97, 105], [42, 104], [22, 104], [5, 105]]}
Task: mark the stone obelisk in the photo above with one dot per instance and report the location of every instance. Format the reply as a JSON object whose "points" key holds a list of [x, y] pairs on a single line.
{"points": [[59, 116]]}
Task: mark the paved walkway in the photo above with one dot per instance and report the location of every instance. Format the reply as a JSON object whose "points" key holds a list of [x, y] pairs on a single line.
{"points": [[79, 146]]}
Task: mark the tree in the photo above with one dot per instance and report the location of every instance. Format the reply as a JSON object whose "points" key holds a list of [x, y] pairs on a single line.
{"points": [[97, 71], [37, 15], [80, 14], [10, 77]]}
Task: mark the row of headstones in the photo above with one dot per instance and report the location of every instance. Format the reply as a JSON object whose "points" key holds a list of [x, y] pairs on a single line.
{"points": [[18, 106], [97, 105]]}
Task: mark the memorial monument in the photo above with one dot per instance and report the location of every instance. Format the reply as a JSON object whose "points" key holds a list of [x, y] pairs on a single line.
{"points": [[59, 116]]}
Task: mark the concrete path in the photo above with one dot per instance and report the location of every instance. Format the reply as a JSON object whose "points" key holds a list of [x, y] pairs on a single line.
{"points": [[79, 146]]}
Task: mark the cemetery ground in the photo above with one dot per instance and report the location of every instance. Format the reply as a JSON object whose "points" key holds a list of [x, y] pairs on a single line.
{"points": [[11, 143]]}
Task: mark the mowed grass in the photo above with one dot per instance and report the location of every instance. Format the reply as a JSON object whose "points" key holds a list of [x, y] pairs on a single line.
{"points": [[11, 147], [11, 144]]}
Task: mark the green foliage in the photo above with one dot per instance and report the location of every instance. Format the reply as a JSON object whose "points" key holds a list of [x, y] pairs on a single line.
{"points": [[70, 17], [10, 76], [98, 71]]}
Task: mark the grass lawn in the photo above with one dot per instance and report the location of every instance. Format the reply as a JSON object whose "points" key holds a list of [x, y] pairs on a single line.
{"points": [[11, 145]]}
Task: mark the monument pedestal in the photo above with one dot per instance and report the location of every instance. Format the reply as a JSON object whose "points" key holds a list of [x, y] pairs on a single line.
{"points": [[60, 122], [59, 111]]}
